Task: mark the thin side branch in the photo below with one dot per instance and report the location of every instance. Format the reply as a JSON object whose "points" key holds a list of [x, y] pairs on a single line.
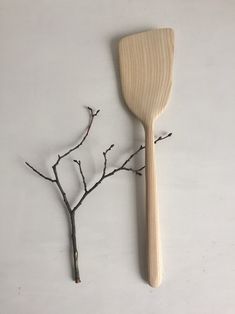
{"points": [[121, 168], [82, 174], [136, 171], [39, 173], [62, 192], [160, 138], [93, 113], [105, 159]]}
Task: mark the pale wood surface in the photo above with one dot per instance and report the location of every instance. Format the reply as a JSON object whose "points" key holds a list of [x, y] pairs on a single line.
{"points": [[146, 71], [146, 61]]}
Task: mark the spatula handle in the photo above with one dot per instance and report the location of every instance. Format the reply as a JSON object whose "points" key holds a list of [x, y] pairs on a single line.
{"points": [[153, 231]]}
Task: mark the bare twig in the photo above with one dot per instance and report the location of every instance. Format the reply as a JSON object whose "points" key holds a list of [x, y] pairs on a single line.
{"points": [[136, 171], [160, 138], [82, 174], [39, 173], [105, 158], [56, 180], [93, 113], [121, 168], [71, 210], [64, 196], [75, 250]]}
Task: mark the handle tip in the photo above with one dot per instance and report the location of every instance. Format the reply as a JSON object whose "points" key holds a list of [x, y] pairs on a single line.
{"points": [[155, 282]]}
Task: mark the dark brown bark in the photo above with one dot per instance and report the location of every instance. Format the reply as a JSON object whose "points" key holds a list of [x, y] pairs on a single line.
{"points": [[105, 174], [74, 247]]}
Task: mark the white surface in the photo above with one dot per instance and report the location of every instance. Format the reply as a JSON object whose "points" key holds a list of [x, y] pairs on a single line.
{"points": [[58, 56]]}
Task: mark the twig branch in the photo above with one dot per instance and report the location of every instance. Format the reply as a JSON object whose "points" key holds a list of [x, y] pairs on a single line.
{"points": [[39, 173], [93, 113], [121, 168], [82, 174], [105, 158], [75, 250], [160, 138], [64, 196], [56, 180], [136, 171], [87, 191]]}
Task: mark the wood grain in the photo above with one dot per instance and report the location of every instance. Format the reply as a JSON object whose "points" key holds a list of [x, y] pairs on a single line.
{"points": [[146, 62], [146, 71]]}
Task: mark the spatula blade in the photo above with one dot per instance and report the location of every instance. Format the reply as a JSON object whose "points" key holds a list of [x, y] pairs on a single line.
{"points": [[146, 61]]}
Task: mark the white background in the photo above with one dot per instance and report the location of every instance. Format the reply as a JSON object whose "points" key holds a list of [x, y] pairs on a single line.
{"points": [[58, 57]]}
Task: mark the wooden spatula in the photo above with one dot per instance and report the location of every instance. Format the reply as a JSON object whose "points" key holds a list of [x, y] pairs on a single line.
{"points": [[146, 61]]}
